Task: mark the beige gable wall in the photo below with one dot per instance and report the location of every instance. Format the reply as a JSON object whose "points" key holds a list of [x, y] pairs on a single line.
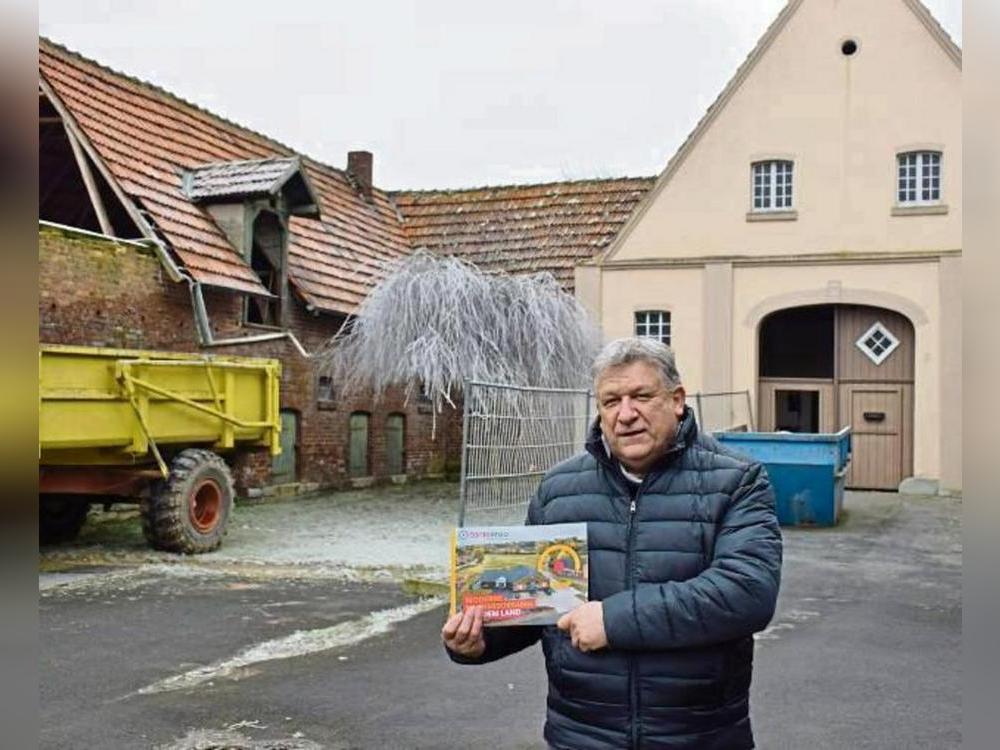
{"points": [[692, 251], [681, 293], [842, 120]]}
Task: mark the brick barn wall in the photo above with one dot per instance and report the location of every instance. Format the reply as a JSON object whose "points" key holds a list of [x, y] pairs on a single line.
{"points": [[93, 292]]}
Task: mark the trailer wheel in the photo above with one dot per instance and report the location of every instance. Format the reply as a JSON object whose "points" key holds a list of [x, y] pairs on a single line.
{"points": [[60, 517], [188, 511]]}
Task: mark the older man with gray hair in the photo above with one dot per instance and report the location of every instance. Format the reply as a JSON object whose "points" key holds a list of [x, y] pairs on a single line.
{"points": [[685, 563]]}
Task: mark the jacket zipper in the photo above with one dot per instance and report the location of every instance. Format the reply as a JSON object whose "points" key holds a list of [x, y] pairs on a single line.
{"points": [[602, 458], [633, 680]]}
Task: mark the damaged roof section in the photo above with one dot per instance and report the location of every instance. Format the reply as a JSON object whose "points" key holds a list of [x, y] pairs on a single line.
{"points": [[235, 180], [523, 228], [147, 139]]}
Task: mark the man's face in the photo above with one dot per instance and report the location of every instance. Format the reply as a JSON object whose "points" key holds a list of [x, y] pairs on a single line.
{"points": [[638, 414]]}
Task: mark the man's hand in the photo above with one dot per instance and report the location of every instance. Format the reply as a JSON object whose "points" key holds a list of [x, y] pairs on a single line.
{"points": [[585, 626], [463, 633]]}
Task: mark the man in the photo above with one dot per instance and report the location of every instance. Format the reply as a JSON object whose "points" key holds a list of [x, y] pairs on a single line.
{"points": [[685, 562]]}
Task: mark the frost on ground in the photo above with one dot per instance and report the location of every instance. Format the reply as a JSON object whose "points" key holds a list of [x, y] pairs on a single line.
{"points": [[379, 535], [383, 533], [299, 643], [390, 527], [213, 739]]}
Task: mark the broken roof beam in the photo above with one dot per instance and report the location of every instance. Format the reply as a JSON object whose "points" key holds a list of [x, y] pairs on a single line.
{"points": [[140, 221], [88, 179]]}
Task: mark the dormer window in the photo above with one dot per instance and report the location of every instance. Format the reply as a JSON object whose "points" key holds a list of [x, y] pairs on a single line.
{"points": [[918, 180], [772, 185], [252, 202]]}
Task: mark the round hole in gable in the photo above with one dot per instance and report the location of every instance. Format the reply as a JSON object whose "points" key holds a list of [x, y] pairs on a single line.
{"points": [[849, 47]]}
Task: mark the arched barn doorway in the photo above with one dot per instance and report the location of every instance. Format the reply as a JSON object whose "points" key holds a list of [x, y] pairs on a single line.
{"points": [[823, 367]]}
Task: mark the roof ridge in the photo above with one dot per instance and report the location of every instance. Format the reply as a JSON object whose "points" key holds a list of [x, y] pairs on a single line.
{"points": [[234, 162], [516, 185], [179, 100], [735, 81], [937, 30]]}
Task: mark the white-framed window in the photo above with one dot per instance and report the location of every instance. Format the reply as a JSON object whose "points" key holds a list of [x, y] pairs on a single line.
{"points": [[653, 324], [918, 178], [772, 185], [877, 343]]}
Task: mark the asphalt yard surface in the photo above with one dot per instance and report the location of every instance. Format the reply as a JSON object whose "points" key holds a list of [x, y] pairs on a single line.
{"points": [[298, 635]]}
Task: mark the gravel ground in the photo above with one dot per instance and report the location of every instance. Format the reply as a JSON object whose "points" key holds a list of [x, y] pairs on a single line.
{"points": [[392, 532]]}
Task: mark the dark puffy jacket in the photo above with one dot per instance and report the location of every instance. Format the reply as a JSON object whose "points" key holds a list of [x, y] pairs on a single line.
{"points": [[687, 568]]}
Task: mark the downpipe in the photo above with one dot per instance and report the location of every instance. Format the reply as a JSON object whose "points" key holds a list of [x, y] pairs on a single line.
{"points": [[203, 326], [207, 339], [262, 337]]}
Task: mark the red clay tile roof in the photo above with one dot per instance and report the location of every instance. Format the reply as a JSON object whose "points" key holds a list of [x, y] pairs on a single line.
{"points": [[147, 138], [522, 228]]}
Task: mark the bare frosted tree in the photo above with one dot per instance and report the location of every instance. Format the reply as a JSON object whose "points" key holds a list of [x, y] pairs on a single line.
{"points": [[434, 322]]}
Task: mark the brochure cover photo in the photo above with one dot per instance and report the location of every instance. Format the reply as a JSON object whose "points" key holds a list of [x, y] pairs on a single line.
{"points": [[520, 575]]}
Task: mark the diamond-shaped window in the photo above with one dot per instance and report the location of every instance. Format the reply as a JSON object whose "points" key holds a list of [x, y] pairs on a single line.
{"points": [[877, 343]]}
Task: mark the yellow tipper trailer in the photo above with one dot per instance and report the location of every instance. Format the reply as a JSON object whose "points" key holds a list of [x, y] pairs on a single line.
{"points": [[116, 425]]}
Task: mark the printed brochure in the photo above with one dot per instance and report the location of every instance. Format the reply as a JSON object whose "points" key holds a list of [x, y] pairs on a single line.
{"points": [[520, 575]]}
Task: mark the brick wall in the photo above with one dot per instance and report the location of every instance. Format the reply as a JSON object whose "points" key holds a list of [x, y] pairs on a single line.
{"points": [[93, 292]]}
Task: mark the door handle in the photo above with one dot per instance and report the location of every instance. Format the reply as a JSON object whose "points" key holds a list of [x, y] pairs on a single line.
{"points": [[874, 416]]}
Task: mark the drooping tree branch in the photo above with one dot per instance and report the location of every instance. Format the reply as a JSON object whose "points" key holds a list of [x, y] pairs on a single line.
{"points": [[433, 323]]}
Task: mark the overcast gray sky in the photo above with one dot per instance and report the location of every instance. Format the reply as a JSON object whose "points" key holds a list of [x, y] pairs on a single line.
{"points": [[446, 93]]}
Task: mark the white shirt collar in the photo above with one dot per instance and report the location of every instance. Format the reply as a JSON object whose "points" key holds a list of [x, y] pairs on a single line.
{"points": [[633, 478]]}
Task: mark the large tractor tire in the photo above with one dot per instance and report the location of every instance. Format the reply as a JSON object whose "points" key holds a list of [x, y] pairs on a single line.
{"points": [[60, 517], [188, 511]]}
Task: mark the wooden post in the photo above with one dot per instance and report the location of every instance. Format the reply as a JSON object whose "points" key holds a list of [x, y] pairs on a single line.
{"points": [[88, 180]]}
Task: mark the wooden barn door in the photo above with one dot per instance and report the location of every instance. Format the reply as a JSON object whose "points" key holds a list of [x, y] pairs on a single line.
{"points": [[395, 444], [357, 450], [796, 383], [823, 367], [875, 350], [284, 467]]}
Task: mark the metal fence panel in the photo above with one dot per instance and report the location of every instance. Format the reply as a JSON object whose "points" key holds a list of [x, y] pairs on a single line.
{"points": [[512, 435], [729, 411]]}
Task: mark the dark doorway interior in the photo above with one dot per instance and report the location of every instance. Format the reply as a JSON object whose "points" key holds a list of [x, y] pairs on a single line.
{"points": [[796, 411], [798, 343], [266, 259]]}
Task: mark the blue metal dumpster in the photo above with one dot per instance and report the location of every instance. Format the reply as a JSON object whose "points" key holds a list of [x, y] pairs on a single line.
{"points": [[806, 469]]}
